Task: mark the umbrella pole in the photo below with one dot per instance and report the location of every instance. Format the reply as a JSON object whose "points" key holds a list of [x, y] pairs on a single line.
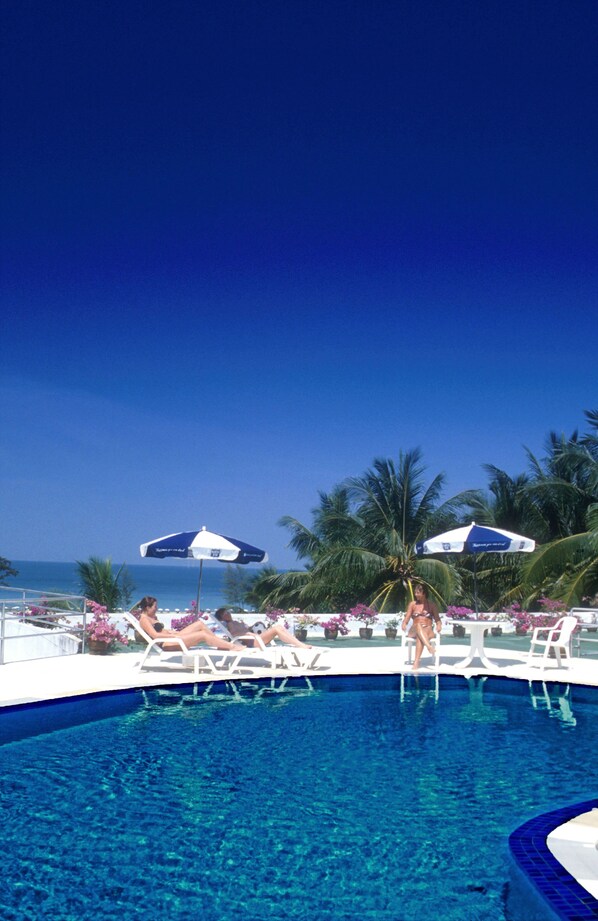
{"points": [[475, 584], [199, 584]]}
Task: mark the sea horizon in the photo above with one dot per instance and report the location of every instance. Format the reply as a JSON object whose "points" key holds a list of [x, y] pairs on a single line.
{"points": [[173, 584]]}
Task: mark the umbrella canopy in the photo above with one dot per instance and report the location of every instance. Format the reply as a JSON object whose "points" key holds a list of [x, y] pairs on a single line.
{"points": [[475, 538], [202, 545]]}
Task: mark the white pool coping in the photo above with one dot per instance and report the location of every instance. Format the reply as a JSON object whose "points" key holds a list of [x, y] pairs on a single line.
{"points": [[573, 844]]}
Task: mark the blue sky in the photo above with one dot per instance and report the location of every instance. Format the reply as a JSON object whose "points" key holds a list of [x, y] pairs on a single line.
{"points": [[248, 247]]}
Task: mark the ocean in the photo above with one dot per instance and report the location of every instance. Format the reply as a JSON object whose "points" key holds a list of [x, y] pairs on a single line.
{"points": [[173, 584]]}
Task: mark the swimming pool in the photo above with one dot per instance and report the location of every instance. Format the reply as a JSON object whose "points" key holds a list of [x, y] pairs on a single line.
{"points": [[374, 798]]}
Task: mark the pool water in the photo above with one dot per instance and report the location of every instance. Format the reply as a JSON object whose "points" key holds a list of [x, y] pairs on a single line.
{"points": [[375, 799]]}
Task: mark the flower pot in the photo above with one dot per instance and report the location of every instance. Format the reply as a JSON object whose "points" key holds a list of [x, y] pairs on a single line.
{"points": [[330, 633], [97, 648], [496, 631], [301, 634], [365, 633], [520, 630], [458, 630], [391, 633]]}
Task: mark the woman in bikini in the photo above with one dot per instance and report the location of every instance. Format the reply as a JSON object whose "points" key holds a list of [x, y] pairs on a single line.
{"points": [[192, 635], [422, 614]]}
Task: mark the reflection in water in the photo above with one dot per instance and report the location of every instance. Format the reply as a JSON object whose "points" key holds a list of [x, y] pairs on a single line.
{"points": [[412, 686], [556, 700], [477, 711], [240, 692]]}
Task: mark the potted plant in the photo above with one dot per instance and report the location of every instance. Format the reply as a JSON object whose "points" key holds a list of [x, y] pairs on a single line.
{"points": [[366, 616], [335, 625], [458, 613], [391, 628], [303, 622], [102, 635]]}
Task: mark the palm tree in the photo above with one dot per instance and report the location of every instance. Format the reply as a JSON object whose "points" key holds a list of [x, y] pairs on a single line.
{"points": [[361, 546], [566, 489], [99, 583], [334, 526], [506, 505]]}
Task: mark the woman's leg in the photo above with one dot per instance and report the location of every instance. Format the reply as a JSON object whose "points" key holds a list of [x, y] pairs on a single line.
{"points": [[419, 648], [426, 634], [422, 641], [197, 633], [283, 635]]}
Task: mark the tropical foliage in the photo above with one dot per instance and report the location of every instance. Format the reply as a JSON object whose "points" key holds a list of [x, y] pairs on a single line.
{"points": [[100, 583], [237, 585], [360, 545], [6, 570], [565, 490]]}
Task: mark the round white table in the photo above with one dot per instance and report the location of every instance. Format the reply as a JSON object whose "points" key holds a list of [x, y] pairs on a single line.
{"points": [[476, 641]]}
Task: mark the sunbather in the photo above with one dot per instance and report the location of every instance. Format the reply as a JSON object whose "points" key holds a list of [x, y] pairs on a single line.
{"points": [[238, 628], [192, 635]]}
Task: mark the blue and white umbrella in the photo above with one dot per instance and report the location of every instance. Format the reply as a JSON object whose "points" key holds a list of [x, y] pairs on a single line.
{"points": [[202, 545], [475, 538]]}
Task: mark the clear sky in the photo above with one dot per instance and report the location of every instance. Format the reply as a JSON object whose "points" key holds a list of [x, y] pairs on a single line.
{"points": [[247, 247]]}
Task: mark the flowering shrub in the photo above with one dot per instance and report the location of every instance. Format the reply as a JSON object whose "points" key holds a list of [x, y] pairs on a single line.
{"points": [[339, 622], [458, 613], [393, 623], [100, 628], [40, 616], [177, 623], [523, 620], [193, 615], [365, 615], [551, 606], [273, 615]]}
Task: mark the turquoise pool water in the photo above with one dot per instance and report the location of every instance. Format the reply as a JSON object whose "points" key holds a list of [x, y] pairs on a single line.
{"points": [[362, 798]]}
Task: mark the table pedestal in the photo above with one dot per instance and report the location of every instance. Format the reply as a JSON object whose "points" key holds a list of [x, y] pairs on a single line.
{"points": [[476, 643]]}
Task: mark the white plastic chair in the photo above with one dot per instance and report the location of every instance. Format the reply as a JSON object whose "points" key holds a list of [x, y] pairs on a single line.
{"points": [[558, 638], [409, 642]]}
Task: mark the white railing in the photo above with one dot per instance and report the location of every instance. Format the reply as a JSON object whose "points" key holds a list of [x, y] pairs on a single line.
{"points": [[38, 625]]}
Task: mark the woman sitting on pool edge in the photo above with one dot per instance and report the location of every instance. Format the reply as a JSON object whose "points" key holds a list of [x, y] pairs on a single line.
{"points": [[238, 628], [191, 635], [423, 614]]}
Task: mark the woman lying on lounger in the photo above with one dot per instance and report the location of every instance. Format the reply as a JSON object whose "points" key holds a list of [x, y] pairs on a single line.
{"points": [[422, 614], [238, 628], [192, 635]]}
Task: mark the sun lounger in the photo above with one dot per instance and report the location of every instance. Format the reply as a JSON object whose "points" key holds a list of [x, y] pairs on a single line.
{"points": [[293, 658], [203, 659]]}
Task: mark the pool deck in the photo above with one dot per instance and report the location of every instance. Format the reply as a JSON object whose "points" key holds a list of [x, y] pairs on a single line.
{"points": [[575, 843], [69, 676]]}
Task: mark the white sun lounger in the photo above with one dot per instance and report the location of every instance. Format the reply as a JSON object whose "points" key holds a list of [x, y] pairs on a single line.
{"points": [[203, 659], [293, 658]]}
